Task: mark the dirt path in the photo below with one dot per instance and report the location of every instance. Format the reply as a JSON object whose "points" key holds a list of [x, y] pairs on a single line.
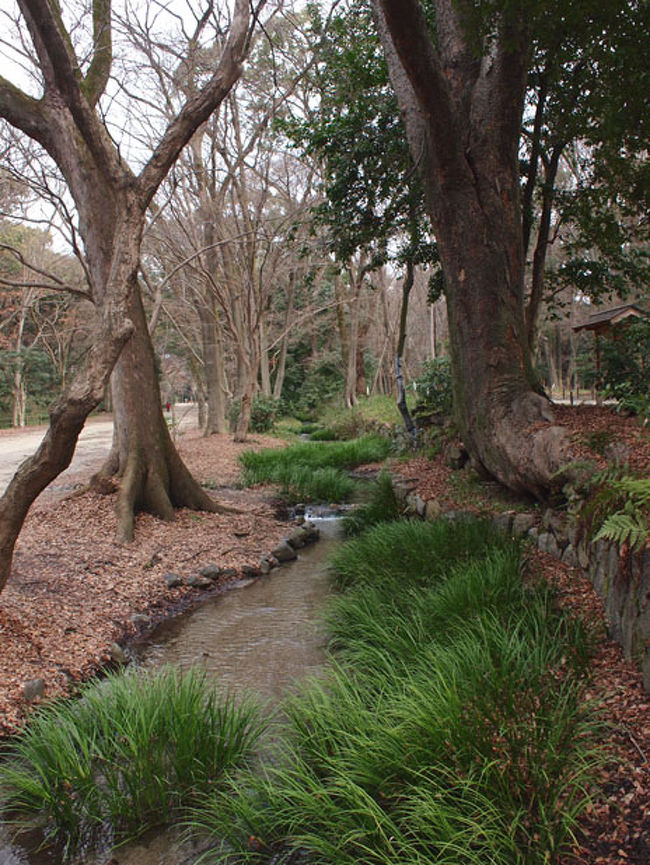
{"points": [[92, 447]]}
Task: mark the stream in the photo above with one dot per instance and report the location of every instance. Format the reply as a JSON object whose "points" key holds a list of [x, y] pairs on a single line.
{"points": [[262, 637]]}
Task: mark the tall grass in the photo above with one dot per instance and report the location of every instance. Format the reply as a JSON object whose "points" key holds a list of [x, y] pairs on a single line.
{"points": [[410, 552], [313, 470], [264, 466], [125, 756], [380, 505], [453, 727]]}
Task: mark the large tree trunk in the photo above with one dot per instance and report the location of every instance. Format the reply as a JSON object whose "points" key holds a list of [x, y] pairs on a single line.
{"points": [[463, 118], [111, 204], [152, 475]]}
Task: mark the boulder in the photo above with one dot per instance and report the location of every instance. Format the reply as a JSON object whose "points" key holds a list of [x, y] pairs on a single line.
{"points": [[211, 572], [570, 557], [250, 571]]}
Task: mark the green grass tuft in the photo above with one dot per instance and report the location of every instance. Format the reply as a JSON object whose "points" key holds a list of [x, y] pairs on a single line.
{"points": [[128, 754], [381, 505]]}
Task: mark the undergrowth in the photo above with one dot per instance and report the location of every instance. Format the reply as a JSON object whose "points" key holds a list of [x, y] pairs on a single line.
{"points": [[453, 726], [127, 754], [313, 470]]}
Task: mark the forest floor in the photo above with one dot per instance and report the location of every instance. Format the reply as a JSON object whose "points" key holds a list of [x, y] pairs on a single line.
{"points": [[74, 591]]}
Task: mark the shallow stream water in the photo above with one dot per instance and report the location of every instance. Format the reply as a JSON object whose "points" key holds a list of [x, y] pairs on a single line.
{"points": [[261, 637]]}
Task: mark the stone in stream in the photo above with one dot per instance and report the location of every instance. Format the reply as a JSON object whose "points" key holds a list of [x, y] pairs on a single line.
{"points": [[299, 537], [250, 571], [265, 565], [284, 552]]}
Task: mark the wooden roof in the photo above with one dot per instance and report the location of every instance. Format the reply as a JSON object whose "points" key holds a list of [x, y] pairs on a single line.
{"points": [[599, 321]]}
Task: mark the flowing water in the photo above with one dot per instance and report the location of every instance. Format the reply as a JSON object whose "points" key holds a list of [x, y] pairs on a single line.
{"points": [[262, 637]]}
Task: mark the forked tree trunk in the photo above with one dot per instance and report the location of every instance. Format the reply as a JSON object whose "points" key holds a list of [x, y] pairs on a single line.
{"points": [[111, 203]]}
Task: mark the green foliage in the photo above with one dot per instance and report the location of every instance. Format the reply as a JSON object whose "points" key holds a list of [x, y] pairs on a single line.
{"points": [[374, 198], [380, 505], [622, 507], [434, 389], [626, 367], [310, 382], [131, 751], [264, 411], [452, 728], [616, 507], [311, 471], [410, 552]]}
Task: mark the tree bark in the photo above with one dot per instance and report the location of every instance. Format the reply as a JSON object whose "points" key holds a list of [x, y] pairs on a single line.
{"points": [[463, 116], [152, 476], [111, 203], [399, 353]]}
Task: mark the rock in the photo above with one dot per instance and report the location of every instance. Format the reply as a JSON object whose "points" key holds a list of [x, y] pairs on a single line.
{"points": [[533, 534], [457, 457], [570, 557], [583, 554], [284, 552], [503, 522], [229, 573], [298, 537], [420, 506], [211, 572], [199, 582], [250, 571], [432, 510], [173, 580], [265, 565], [33, 689], [140, 619], [547, 544], [411, 502], [521, 524], [118, 654], [313, 533]]}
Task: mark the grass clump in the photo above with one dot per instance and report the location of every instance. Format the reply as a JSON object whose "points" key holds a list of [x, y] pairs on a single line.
{"points": [[381, 505], [126, 755], [411, 552], [313, 470], [452, 728]]}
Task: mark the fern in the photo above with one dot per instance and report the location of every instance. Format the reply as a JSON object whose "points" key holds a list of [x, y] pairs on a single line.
{"points": [[621, 528], [621, 508]]}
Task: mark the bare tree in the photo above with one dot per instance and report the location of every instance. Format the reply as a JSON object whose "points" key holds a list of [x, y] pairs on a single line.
{"points": [[111, 200]]}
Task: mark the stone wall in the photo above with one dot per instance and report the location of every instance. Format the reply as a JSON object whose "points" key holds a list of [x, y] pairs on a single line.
{"points": [[622, 581]]}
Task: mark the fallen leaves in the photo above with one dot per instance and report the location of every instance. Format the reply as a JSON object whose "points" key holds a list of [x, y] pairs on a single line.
{"points": [[73, 589]]}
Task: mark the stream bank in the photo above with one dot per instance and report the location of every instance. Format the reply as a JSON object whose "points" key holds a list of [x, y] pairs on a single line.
{"points": [[262, 636]]}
